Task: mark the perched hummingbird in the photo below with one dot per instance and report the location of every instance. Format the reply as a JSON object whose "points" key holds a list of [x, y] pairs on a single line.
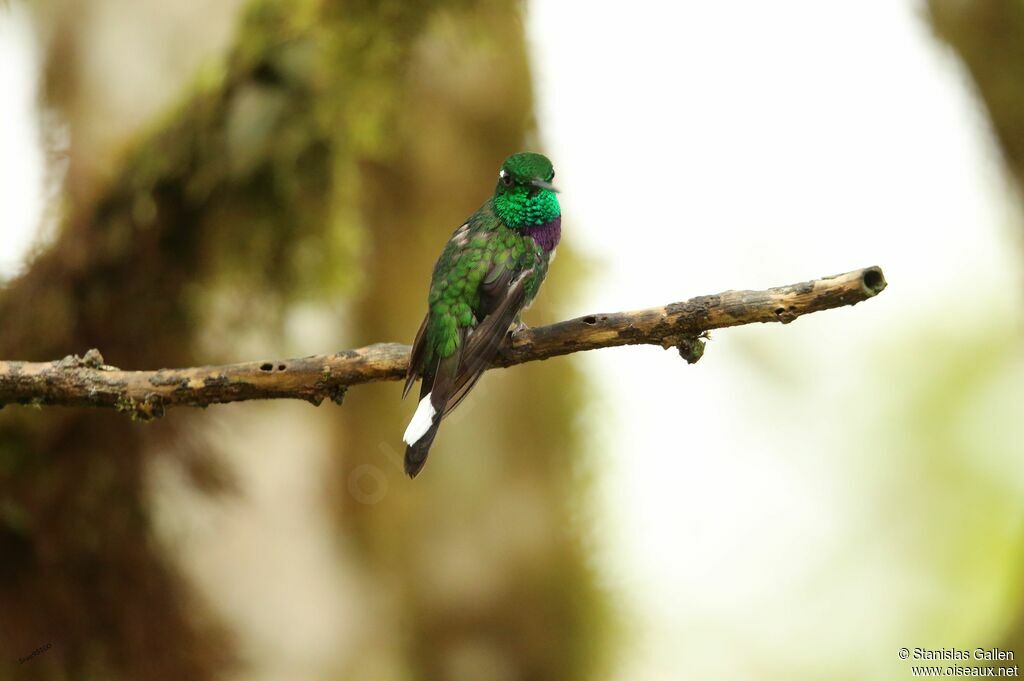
{"points": [[488, 273]]}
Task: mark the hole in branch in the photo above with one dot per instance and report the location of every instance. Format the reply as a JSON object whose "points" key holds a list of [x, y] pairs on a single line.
{"points": [[266, 366], [874, 280], [280, 367], [590, 319]]}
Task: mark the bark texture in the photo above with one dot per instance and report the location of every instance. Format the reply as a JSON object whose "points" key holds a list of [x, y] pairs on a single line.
{"points": [[88, 382]]}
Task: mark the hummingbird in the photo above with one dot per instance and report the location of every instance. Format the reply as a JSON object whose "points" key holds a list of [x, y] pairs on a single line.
{"points": [[488, 273]]}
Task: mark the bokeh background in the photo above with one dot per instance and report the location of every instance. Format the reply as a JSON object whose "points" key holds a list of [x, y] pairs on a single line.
{"points": [[187, 183]]}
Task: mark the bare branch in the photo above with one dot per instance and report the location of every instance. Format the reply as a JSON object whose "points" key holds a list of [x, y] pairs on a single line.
{"points": [[88, 382]]}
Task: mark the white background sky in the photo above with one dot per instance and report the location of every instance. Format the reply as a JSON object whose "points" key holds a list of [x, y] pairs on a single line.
{"points": [[705, 146], [21, 162]]}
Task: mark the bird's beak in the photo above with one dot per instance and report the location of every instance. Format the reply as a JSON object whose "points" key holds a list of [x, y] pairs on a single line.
{"points": [[542, 184]]}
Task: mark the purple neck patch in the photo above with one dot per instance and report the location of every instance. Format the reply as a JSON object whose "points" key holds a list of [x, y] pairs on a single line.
{"points": [[547, 235]]}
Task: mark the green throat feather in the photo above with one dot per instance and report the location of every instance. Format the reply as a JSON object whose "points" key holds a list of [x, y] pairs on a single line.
{"points": [[518, 200], [517, 208]]}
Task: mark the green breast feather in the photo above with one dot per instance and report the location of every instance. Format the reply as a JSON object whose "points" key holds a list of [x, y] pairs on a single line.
{"points": [[483, 243]]}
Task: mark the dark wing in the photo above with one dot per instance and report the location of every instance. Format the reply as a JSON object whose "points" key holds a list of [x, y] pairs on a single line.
{"points": [[415, 369], [505, 296]]}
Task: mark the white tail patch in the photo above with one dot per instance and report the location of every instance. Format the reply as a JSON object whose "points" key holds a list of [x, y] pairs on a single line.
{"points": [[421, 421]]}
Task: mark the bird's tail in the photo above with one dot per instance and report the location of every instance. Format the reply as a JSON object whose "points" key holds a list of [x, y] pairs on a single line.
{"points": [[416, 454], [435, 390], [420, 435]]}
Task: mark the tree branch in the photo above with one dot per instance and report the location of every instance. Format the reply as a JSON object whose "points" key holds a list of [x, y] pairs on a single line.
{"points": [[88, 382]]}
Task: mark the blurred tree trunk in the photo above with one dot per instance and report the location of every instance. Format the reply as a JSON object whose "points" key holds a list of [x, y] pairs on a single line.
{"points": [[483, 546], [988, 36], [334, 153], [237, 181]]}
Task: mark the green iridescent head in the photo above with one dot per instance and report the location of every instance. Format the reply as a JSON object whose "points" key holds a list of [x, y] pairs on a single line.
{"points": [[524, 196]]}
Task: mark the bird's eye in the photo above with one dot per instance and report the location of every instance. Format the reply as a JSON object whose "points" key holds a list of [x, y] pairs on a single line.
{"points": [[552, 177], [506, 178]]}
